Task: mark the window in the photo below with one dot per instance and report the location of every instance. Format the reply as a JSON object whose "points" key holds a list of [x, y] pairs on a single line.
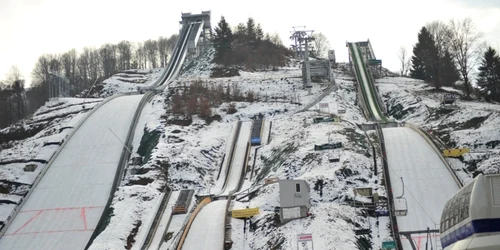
{"points": [[297, 187]]}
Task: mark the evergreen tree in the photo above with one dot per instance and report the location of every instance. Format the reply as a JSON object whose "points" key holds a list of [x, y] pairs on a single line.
{"points": [[223, 39], [449, 73], [251, 32], [421, 54], [489, 75], [259, 34], [432, 64], [241, 30]]}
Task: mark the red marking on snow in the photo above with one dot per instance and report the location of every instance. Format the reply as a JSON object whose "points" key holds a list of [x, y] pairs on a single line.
{"points": [[84, 218], [28, 222], [40, 211], [54, 231], [61, 209]]}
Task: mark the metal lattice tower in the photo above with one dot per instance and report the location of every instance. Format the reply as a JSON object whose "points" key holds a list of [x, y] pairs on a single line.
{"points": [[303, 38]]}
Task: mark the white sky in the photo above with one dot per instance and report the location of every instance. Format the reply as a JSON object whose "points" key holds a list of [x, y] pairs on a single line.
{"points": [[30, 28]]}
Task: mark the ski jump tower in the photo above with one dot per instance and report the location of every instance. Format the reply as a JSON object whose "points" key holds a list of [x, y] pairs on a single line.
{"points": [[200, 41]]}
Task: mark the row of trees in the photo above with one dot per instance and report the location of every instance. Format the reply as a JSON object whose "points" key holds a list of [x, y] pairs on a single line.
{"points": [[79, 70], [247, 46], [448, 52], [83, 69]]}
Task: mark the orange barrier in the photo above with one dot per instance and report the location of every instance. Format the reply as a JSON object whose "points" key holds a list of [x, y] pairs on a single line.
{"points": [[202, 203]]}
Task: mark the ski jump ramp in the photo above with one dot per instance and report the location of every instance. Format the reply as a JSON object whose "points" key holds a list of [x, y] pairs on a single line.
{"points": [[66, 205]]}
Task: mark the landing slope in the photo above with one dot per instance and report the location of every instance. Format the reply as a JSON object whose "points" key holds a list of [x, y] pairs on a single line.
{"points": [[239, 162], [428, 183], [207, 231], [65, 207]]}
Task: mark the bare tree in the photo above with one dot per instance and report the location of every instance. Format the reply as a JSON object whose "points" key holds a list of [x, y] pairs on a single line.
{"points": [[13, 75], [440, 33], [15, 97], [140, 56], [465, 47], [68, 61], [107, 54], [163, 50], [276, 39], [41, 73], [404, 60], [172, 40], [83, 64], [322, 45], [151, 47], [124, 55]]}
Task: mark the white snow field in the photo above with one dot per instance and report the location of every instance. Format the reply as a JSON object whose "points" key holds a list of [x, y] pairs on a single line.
{"points": [[428, 184], [239, 162], [207, 231], [66, 205]]}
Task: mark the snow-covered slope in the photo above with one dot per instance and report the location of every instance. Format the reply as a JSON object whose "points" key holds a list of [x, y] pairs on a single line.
{"points": [[473, 124], [34, 141], [192, 152], [128, 80], [66, 205]]}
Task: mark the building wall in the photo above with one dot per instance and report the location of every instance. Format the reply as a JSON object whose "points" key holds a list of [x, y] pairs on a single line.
{"points": [[294, 193]]}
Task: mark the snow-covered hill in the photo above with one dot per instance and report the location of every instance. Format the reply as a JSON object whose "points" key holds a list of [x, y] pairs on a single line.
{"points": [[472, 124], [191, 152]]}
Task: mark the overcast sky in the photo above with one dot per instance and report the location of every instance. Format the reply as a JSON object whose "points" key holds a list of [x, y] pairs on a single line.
{"points": [[30, 28]]}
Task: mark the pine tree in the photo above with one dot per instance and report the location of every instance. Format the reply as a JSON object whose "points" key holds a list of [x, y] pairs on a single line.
{"points": [[223, 39], [489, 75], [421, 53], [449, 73], [241, 31], [251, 32], [259, 34], [430, 64]]}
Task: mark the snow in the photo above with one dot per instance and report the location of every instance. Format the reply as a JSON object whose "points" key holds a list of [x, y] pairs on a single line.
{"points": [[129, 81], [140, 201], [135, 203], [239, 161], [473, 124], [50, 123], [65, 206], [428, 184], [164, 221], [177, 221], [225, 165], [193, 155], [207, 230]]}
